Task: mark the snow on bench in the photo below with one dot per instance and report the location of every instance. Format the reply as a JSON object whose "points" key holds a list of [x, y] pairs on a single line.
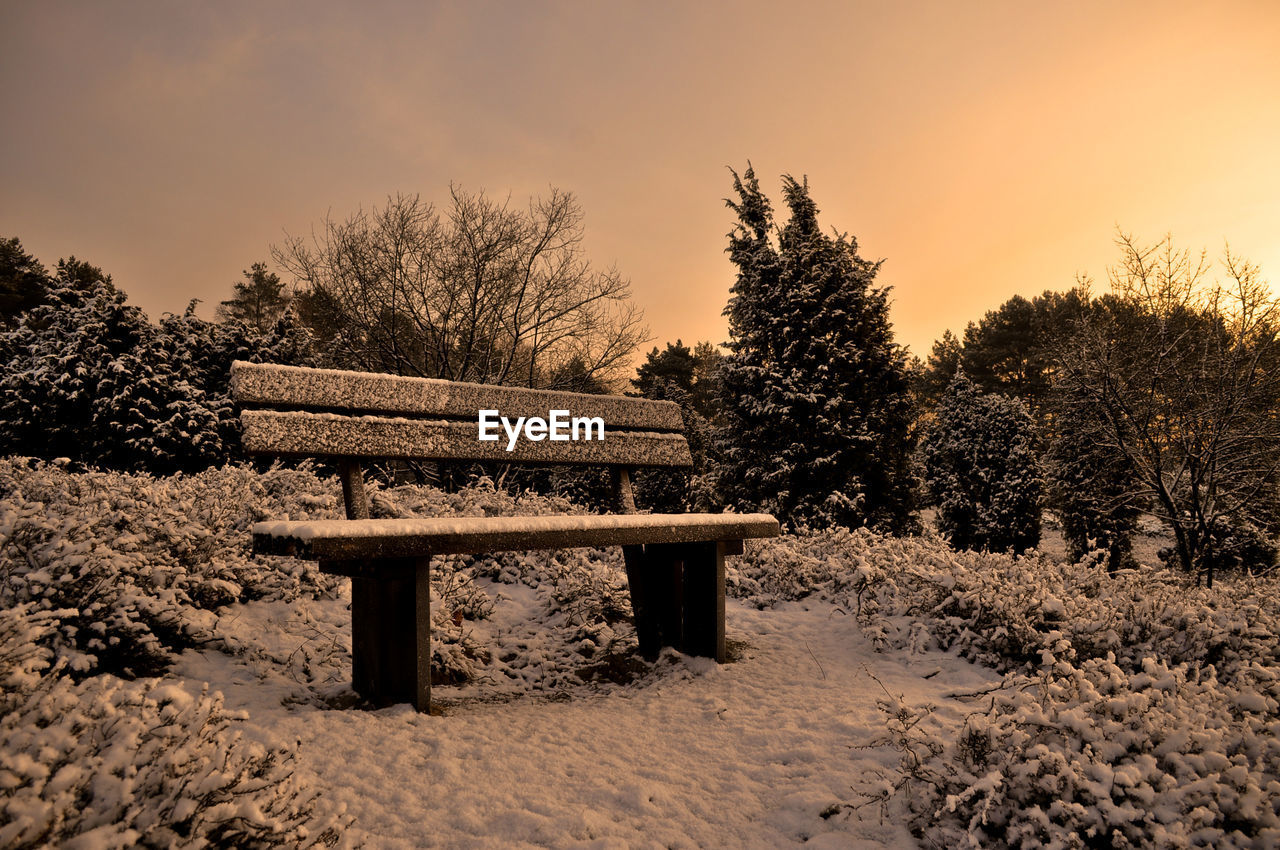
{"points": [[400, 538], [675, 562]]}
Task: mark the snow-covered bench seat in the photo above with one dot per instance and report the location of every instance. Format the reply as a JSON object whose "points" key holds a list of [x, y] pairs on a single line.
{"points": [[675, 562]]}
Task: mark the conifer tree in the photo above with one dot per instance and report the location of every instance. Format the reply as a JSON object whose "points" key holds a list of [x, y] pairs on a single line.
{"points": [[259, 300], [1092, 490], [981, 470], [24, 282], [91, 379], [817, 409]]}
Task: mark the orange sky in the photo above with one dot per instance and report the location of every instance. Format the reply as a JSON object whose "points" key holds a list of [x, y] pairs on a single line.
{"points": [[981, 149]]}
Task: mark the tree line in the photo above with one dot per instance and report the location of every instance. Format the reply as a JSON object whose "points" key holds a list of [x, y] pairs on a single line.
{"points": [[1157, 397]]}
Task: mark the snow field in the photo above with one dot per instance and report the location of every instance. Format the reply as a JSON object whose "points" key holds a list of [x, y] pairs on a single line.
{"points": [[748, 754]]}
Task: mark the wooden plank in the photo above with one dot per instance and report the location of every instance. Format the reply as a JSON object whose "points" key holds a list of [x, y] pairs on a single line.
{"points": [[297, 434], [331, 389], [340, 540]]}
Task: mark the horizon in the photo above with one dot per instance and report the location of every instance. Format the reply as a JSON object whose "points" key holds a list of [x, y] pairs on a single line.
{"points": [[982, 153]]}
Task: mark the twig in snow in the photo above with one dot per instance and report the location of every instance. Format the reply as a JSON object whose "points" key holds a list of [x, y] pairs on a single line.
{"points": [[815, 660]]}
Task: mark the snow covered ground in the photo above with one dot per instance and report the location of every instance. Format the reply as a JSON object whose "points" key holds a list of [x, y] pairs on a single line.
{"points": [[748, 754], [1138, 709]]}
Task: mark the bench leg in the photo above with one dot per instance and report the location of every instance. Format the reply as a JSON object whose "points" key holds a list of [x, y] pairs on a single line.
{"points": [[704, 600], [654, 579], [677, 594], [391, 633]]}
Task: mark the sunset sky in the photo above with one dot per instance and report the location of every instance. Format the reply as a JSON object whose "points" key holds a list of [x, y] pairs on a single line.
{"points": [[981, 149]]}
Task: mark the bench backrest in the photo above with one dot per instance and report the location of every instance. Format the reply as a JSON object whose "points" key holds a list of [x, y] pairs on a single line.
{"points": [[296, 412]]}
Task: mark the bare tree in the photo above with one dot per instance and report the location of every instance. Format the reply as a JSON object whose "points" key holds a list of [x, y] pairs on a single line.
{"points": [[480, 291], [1178, 377]]}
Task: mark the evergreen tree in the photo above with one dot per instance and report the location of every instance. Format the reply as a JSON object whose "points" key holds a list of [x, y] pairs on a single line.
{"points": [[77, 274], [1093, 492], [91, 379], [817, 408], [259, 300], [675, 365], [695, 371], [934, 376], [706, 393], [88, 377], [1010, 350], [981, 470], [24, 282]]}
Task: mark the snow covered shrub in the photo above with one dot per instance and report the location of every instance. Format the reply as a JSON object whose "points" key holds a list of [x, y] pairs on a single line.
{"points": [[1101, 756], [981, 470], [838, 565], [1138, 710], [115, 764], [89, 380], [134, 565]]}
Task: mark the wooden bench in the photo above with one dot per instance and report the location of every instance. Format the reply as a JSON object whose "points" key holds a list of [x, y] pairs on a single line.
{"points": [[674, 562]]}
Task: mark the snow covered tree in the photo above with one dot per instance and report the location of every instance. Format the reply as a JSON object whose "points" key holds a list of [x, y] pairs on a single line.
{"points": [[90, 379], [931, 378], [1010, 350], [201, 353], [981, 471], [676, 364], [78, 274], [696, 371], [817, 408]]}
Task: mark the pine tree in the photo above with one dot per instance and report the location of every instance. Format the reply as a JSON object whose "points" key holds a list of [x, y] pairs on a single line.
{"points": [[24, 282], [981, 470], [259, 300], [78, 274], [817, 409], [1093, 492], [935, 375], [676, 364]]}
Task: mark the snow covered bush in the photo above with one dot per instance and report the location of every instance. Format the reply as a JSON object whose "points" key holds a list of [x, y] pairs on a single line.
{"points": [[136, 566], [1097, 755], [981, 470], [1138, 709], [116, 764], [88, 377]]}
